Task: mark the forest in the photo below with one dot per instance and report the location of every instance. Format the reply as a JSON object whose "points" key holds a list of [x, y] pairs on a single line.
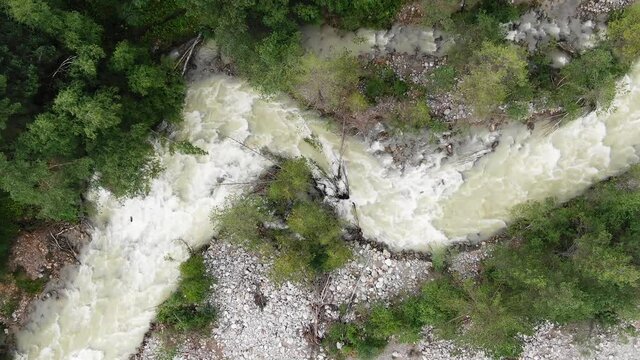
{"points": [[90, 88]]}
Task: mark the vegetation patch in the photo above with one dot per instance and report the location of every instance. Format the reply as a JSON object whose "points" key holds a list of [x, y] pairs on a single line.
{"points": [[287, 220], [565, 263], [187, 309]]}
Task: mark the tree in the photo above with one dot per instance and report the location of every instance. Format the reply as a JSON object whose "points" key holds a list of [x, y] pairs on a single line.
{"points": [[437, 13], [624, 32], [588, 81], [496, 73]]}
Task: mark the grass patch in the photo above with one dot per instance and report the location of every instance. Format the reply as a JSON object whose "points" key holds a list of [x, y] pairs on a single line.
{"points": [[26, 284]]}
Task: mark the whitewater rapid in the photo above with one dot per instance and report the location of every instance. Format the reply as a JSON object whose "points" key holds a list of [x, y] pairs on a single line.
{"points": [[131, 265]]}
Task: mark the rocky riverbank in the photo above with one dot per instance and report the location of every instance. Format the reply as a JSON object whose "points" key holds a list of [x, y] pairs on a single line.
{"points": [[36, 261], [261, 319]]}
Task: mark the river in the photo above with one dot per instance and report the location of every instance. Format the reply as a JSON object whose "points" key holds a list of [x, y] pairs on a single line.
{"points": [[131, 265]]}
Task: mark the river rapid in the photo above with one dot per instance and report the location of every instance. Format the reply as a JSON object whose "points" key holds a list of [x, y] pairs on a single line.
{"points": [[131, 265]]}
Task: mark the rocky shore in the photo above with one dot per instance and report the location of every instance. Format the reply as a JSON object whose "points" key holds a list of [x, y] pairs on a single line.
{"points": [[261, 319]]}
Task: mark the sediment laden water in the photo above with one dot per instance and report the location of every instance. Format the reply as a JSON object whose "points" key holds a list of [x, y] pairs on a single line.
{"points": [[131, 265]]}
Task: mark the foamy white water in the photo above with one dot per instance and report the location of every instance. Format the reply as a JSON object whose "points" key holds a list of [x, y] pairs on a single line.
{"points": [[130, 267]]}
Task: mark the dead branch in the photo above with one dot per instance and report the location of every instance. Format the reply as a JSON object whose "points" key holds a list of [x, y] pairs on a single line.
{"points": [[355, 286], [191, 252], [193, 46], [64, 65], [68, 250], [252, 150], [318, 306]]}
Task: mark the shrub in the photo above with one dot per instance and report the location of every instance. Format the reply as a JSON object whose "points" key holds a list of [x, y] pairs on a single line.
{"points": [[437, 13], [588, 81], [241, 222], [292, 181], [624, 32], [413, 117], [496, 73], [382, 82], [325, 83], [302, 233], [442, 79], [9, 229], [187, 308]]}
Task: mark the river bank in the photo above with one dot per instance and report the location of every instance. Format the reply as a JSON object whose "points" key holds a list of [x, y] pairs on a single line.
{"points": [[38, 263]]}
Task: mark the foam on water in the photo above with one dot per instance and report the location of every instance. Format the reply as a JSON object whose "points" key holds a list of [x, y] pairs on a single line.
{"points": [[130, 267]]}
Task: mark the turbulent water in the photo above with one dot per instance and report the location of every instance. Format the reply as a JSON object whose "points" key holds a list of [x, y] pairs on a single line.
{"points": [[132, 262]]}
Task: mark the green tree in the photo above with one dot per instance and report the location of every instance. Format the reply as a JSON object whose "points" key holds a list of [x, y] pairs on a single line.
{"points": [[624, 32], [588, 81], [496, 74]]}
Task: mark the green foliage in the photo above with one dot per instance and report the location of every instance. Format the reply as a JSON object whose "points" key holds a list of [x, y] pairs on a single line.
{"points": [[496, 74], [589, 80], [263, 36], [9, 214], [413, 117], [185, 147], [80, 92], [242, 222], [355, 14], [577, 262], [382, 81], [289, 222], [624, 32], [442, 80], [187, 308], [292, 181], [28, 285], [326, 83], [437, 13], [8, 305]]}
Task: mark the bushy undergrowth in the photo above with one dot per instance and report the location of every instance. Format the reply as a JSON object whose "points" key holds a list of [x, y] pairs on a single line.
{"points": [[187, 308], [8, 227], [381, 82], [288, 221], [569, 263]]}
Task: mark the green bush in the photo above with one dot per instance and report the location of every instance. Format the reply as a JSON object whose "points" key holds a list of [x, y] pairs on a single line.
{"points": [[242, 221], [187, 308], [623, 31], [325, 84], [307, 239], [382, 81], [497, 74], [589, 80], [9, 228], [442, 79], [292, 181], [412, 117]]}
